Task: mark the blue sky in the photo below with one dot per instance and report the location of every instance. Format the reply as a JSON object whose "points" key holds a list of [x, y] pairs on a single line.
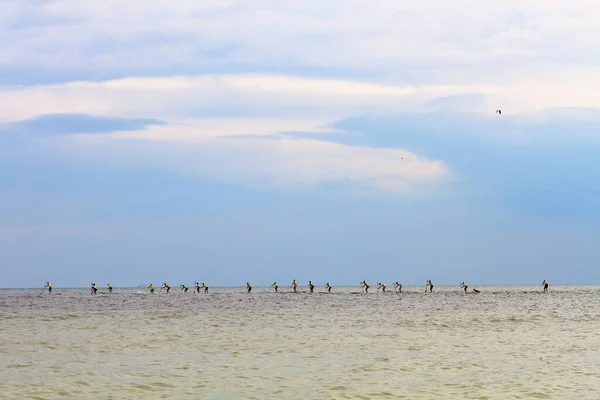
{"points": [[227, 141]]}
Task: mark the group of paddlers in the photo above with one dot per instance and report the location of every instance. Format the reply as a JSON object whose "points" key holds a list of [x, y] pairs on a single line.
{"points": [[199, 287]]}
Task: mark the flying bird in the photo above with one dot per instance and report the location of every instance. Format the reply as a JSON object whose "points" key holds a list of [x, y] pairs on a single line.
{"points": [[499, 112]]}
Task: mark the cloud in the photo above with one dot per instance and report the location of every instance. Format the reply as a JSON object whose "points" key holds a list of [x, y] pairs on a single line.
{"points": [[226, 76], [539, 164], [397, 41], [260, 95], [180, 97], [215, 148], [206, 147], [203, 129], [461, 102], [223, 150], [60, 124], [263, 163]]}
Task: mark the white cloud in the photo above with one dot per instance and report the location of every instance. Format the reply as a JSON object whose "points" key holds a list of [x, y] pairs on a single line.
{"points": [[197, 145], [203, 129], [282, 162], [161, 98], [429, 38], [171, 97], [214, 147], [364, 56], [175, 98], [522, 55]]}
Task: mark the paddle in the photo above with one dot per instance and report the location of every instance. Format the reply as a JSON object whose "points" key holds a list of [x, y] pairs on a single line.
{"points": [[43, 290]]}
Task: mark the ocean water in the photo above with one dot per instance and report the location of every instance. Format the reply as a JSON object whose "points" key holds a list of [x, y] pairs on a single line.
{"points": [[506, 342]]}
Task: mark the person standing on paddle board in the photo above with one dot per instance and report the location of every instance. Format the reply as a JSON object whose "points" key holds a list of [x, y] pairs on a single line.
{"points": [[365, 286], [430, 283], [184, 288], [94, 289], [109, 288], [275, 286], [381, 286], [249, 287], [152, 288], [545, 285], [295, 286], [328, 287], [398, 286], [166, 286], [205, 286], [464, 287], [311, 286], [49, 286], [197, 287]]}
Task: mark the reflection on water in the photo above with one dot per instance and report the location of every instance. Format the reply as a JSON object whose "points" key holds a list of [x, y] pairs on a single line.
{"points": [[507, 342]]}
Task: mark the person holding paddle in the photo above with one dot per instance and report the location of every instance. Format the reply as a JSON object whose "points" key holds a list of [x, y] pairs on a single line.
{"points": [[109, 288], [49, 286], [94, 289], [365, 286], [398, 286], [430, 283], [381, 286], [197, 287], [275, 286], [545, 285], [152, 288], [295, 286], [248, 287], [184, 288], [311, 286], [328, 287], [464, 286]]}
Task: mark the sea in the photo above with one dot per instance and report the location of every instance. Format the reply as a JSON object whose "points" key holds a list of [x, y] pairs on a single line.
{"points": [[507, 342]]}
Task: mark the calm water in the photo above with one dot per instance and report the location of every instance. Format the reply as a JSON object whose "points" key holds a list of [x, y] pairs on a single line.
{"points": [[507, 342]]}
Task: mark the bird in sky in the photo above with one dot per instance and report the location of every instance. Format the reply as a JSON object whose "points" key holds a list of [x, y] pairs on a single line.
{"points": [[499, 112]]}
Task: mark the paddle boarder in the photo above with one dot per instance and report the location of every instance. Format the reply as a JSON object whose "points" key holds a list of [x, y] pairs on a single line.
{"points": [[248, 287], [365, 286], [295, 286], [398, 286], [328, 287], [109, 288], [275, 286], [545, 285], [184, 288], [430, 283], [152, 288], [49, 286], [311, 286]]}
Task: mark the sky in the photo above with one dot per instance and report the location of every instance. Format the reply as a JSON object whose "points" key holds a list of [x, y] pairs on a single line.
{"points": [[231, 141]]}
